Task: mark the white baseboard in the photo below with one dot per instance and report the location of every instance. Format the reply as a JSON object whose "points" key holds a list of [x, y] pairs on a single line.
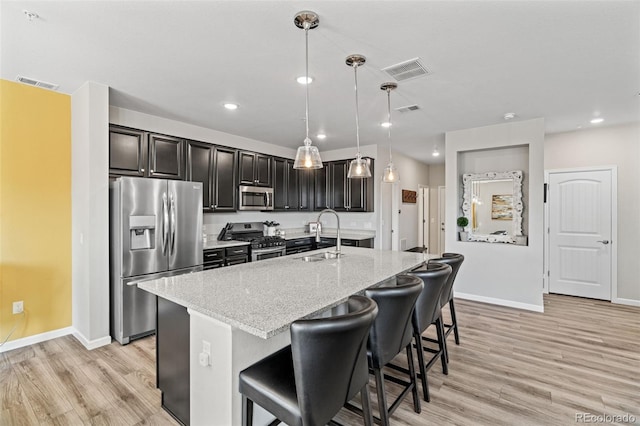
{"points": [[91, 344], [630, 302], [36, 338], [501, 302]]}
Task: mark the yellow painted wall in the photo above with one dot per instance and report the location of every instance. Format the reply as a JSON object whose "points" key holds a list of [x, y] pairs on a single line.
{"points": [[35, 209]]}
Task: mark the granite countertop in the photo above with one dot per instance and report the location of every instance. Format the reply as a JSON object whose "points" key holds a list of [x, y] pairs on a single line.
{"points": [[345, 234], [215, 244], [264, 298]]}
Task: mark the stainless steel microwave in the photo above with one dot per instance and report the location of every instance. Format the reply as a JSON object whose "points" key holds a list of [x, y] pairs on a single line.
{"points": [[255, 198]]}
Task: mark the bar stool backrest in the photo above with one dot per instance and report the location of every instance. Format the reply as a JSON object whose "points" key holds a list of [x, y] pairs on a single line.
{"points": [[427, 308], [391, 331], [330, 359], [453, 260]]}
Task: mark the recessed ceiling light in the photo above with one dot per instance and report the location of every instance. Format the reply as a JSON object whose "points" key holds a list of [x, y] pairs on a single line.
{"points": [[230, 106], [304, 80], [321, 136], [510, 116], [386, 124], [597, 120], [435, 152]]}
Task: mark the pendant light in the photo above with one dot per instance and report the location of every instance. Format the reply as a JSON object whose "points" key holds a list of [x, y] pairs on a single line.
{"points": [[307, 156], [390, 173], [359, 168]]}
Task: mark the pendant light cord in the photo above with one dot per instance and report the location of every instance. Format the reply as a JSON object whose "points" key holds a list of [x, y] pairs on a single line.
{"points": [[389, 121], [355, 73], [307, 141]]}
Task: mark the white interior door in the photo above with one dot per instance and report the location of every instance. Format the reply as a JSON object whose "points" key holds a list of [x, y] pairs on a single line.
{"points": [[385, 216], [580, 233], [441, 203], [395, 217]]}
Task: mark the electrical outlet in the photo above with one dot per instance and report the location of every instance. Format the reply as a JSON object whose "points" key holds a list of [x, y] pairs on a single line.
{"points": [[18, 307]]}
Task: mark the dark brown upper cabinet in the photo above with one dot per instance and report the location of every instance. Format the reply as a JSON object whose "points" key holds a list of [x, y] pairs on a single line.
{"points": [[255, 169], [225, 186], [321, 196], [285, 185], [138, 153], [166, 157], [305, 190], [200, 169], [127, 152], [334, 190]]}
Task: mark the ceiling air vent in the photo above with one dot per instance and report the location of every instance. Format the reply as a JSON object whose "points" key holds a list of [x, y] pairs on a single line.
{"points": [[406, 70], [407, 108], [37, 83]]}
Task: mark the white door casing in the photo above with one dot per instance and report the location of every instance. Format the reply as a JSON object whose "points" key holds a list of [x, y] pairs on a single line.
{"points": [[580, 232], [423, 217], [441, 216]]}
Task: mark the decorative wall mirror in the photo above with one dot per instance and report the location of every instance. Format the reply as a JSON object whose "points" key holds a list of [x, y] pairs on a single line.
{"points": [[492, 202]]}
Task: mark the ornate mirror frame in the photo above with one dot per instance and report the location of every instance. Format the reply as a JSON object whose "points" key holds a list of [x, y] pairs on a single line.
{"points": [[516, 175]]}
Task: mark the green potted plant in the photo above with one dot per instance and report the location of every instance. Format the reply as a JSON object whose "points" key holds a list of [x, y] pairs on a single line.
{"points": [[463, 222]]}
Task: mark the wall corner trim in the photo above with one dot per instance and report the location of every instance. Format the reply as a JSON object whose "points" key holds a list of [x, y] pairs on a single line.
{"points": [[500, 302], [36, 338], [91, 344]]}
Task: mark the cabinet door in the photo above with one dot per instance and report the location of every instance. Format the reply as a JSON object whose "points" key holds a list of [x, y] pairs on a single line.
{"points": [[199, 168], [338, 181], [280, 187], [224, 180], [355, 198], [293, 198], [263, 170], [321, 197], [247, 165], [305, 189], [127, 152], [166, 157]]}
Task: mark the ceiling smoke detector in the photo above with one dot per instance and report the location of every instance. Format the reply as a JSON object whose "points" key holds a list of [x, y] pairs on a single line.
{"points": [[37, 83], [510, 116], [406, 70], [408, 108]]}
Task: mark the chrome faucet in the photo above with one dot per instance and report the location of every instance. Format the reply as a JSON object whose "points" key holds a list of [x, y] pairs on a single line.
{"points": [[338, 243]]}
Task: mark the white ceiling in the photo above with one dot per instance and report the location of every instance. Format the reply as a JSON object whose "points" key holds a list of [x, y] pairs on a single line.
{"points": [[566, 61]]}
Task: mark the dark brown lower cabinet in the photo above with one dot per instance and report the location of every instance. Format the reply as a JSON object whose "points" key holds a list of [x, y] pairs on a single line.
{"points": [[172, 358]]}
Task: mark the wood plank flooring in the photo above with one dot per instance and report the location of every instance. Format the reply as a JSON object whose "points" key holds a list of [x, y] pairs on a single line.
{"points": [[512, 367]]}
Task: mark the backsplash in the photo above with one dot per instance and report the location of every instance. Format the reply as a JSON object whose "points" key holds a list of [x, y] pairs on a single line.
{"points": [[212, 223]]}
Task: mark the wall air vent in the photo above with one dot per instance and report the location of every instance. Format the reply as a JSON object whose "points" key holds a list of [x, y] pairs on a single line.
{"points": [[37, 83], [407, 108], [406, 70]]}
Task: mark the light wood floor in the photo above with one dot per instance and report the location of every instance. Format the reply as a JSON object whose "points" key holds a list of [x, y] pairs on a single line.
{"points": [[513, 367]]}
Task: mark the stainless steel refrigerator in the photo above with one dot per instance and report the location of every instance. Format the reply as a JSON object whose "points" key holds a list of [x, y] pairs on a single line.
{"points": [[156, 231]]}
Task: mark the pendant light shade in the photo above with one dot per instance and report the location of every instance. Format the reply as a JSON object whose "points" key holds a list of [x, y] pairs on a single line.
{"points": [[359, 168], [307, 156], [390, 173]]}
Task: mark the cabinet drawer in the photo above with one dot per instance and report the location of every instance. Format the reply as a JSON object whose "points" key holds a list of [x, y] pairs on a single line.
{"points": [[212, 255], [237, 251], [213, 265], [351, 243], [300, 242], [236, 260]]}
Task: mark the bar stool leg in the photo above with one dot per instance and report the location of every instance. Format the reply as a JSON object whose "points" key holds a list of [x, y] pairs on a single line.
{"points": [[247, 411], [366, 406], [442, 341], [414, 380], [423, 370], [454, 321], [382, 400]]}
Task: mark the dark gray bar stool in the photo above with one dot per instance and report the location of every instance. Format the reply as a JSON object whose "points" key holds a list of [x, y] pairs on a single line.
{"points": [[390, 334], [308, 382], [455, 261], [428, 312]]}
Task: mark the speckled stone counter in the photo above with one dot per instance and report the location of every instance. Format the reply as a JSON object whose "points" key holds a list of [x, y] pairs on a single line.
{"points": [[264, 298]]}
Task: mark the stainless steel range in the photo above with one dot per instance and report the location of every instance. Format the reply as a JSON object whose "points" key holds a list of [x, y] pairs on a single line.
{"points": [[261, 247]]}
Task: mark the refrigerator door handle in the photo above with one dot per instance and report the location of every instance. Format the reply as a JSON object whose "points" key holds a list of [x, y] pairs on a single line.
{"points": [[173, 224], [165, 223]]}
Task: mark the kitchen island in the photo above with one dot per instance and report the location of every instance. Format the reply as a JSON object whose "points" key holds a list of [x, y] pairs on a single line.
{"points": [[244, 313]]}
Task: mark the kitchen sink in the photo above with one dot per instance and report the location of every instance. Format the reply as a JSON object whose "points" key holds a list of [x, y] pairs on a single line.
{"points": [[321, 256]]}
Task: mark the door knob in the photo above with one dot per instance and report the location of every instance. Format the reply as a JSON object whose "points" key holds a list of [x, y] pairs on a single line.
{"points": [[605, 242]]}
